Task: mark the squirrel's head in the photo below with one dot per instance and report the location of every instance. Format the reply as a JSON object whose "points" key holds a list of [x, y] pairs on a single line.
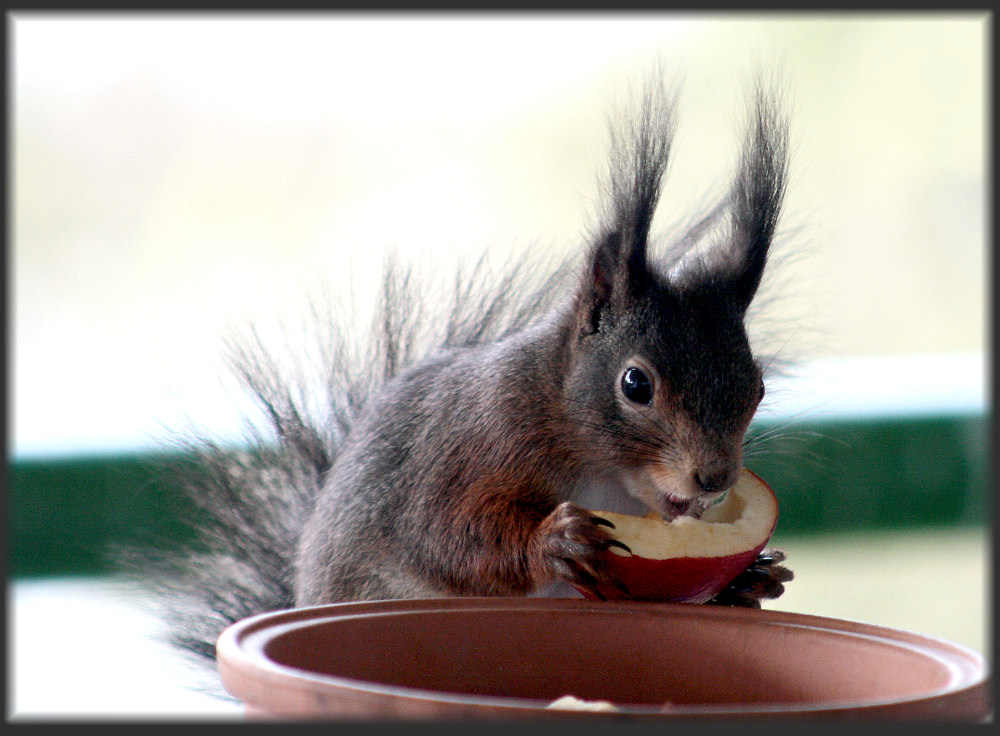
{"points": [[662, 381]]}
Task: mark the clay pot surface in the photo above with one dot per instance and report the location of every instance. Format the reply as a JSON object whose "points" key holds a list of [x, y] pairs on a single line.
{"points": [[510, 658]]}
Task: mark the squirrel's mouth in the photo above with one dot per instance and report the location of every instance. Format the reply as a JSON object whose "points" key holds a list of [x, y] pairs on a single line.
{"points": [[670, 507], [658, 492]]}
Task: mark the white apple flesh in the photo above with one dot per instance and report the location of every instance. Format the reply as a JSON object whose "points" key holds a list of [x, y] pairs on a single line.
{"points": [[689, 560]]}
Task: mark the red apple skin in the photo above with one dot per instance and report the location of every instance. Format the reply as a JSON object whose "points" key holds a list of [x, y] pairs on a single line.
{"points": [[677, 579]]}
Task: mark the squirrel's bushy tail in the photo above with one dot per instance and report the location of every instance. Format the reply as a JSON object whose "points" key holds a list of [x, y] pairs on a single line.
{"points": [[246, 504]]}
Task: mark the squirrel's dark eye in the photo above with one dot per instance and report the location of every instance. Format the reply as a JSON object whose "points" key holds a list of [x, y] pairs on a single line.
{"points": [[636, 386]]}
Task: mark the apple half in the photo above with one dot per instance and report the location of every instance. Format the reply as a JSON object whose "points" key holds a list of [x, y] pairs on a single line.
{"points": [[689, 560]]}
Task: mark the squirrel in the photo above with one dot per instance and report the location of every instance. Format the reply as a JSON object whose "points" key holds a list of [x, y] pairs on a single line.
{"points": [[467, 467]]}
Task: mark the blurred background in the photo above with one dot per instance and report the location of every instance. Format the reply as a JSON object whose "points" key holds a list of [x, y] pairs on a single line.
{"points": [[174, 176]]}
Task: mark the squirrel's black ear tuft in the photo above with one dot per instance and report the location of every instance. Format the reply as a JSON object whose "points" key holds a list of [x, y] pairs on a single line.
{"points": [[726, 251], [757, 192], [639, 153]]}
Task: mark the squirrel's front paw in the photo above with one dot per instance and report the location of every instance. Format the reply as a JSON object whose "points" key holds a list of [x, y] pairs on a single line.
{"points": [[573, 540], [762, 579]]}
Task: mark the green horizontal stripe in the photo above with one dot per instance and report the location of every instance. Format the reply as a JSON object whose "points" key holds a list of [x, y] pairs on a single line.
{"points": [[68, 516]]}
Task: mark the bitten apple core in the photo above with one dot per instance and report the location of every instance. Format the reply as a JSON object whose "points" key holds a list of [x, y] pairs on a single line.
{"points": [[689, 560], [745, 517]]}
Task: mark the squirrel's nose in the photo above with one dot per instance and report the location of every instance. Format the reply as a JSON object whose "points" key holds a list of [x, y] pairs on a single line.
{"points": [[713, 480]]}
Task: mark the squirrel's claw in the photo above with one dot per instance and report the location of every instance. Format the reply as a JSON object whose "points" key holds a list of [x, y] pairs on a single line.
{"points": [[769, 556], [573, 543], [763, 579], [618, 545]]}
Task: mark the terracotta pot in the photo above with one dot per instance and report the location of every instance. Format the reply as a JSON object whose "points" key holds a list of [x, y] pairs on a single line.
{"points": [[510, 658]]}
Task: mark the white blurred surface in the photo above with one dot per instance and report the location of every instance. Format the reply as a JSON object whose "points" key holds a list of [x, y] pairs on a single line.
{"points": [[82, 648], [88, 647], [885, 386]]}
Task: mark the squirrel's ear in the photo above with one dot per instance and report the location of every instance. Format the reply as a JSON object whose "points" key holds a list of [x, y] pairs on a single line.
{"points": [[733, 258], [640, 149], [616, 268]]}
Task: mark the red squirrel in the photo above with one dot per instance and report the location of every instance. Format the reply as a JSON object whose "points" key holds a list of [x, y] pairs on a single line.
{"points": [[467, 468]]}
